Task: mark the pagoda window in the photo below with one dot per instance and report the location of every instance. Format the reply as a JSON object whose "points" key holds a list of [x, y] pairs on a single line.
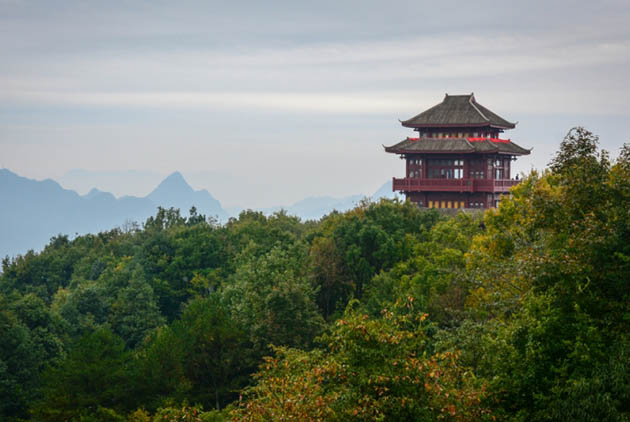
{"points": [[499, 168], [445, 169], [414, 168]]}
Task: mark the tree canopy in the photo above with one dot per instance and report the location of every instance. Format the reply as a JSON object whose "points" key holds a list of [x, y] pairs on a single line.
{"points": [[384, 312]]}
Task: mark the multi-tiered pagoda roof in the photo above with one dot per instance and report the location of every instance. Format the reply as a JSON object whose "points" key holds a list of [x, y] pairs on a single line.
{"points": [[458, 111], [458, 159]]}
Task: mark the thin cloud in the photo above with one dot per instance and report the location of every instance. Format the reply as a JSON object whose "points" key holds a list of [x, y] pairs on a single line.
{"points": [[331, 78], [252, 88]]}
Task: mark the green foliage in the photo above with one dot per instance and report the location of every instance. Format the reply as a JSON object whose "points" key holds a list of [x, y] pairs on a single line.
{"points": [[134, 313], [349, 249], [551, 272], [271, 296], [94, 379], [18, 366], [433, 275], [212, 345], [528, 311], [140, 415], [370, 369], [601, 394], [178, 414]]}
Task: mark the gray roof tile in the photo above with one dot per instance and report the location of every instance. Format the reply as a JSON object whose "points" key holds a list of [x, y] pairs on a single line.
{"points": [[458, 111], [455, 145]]}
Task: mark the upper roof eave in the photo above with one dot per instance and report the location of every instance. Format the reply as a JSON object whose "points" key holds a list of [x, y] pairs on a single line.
{"points": [[415, 151], [412, 125]]}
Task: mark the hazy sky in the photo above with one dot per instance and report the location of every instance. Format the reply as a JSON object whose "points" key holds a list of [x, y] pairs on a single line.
{"points": [[267, 102]]}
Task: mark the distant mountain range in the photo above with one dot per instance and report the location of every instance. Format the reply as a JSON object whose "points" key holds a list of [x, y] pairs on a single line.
{"points": [[316, 207], [31, 211]]}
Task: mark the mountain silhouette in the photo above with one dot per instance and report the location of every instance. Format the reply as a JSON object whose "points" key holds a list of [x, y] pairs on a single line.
{"points": [[385, 191], [31, 211], [315, 207], [175, 192]]}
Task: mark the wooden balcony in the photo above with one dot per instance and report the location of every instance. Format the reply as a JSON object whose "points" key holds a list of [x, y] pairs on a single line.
{"points": [[453, 185]]}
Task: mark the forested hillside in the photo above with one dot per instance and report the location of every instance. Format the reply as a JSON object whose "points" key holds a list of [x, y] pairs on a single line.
{"points": [[385, 312]]}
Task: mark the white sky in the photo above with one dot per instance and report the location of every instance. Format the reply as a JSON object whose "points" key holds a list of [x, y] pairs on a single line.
{"points": [[265, 103]]}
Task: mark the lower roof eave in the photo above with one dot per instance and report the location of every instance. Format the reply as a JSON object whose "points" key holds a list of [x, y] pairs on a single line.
{"points": [[407, 151], [399, 151]]}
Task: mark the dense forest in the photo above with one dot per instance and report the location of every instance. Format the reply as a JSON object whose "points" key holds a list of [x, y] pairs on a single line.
{"points": [[385, 312]]}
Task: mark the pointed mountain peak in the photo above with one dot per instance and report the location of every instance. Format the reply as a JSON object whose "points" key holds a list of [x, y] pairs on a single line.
{"points": [[176, 180], [173, 186], [175, 176]]}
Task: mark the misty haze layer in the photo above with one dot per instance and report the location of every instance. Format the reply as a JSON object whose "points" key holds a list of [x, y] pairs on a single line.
{"points": [[265, 103], [32, 211]]}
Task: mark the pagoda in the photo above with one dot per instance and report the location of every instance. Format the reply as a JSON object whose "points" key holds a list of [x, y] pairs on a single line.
{"points": [[458, 159]]}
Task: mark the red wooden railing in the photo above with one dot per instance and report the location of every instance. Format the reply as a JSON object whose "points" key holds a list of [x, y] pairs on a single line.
{"points": [[453, 185]]}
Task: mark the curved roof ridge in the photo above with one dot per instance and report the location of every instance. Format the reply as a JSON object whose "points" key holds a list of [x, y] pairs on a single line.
{"points": [[492, 144], [421, 113], [471, 101]]}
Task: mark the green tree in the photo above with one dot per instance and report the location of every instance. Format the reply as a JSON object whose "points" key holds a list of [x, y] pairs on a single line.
{"points": [[200, 358], [349, 249], [19, 366], [95, 377], [370, 369], [550, 274], [433, 274], [273, 299], [213, 351], [134, 313]]}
